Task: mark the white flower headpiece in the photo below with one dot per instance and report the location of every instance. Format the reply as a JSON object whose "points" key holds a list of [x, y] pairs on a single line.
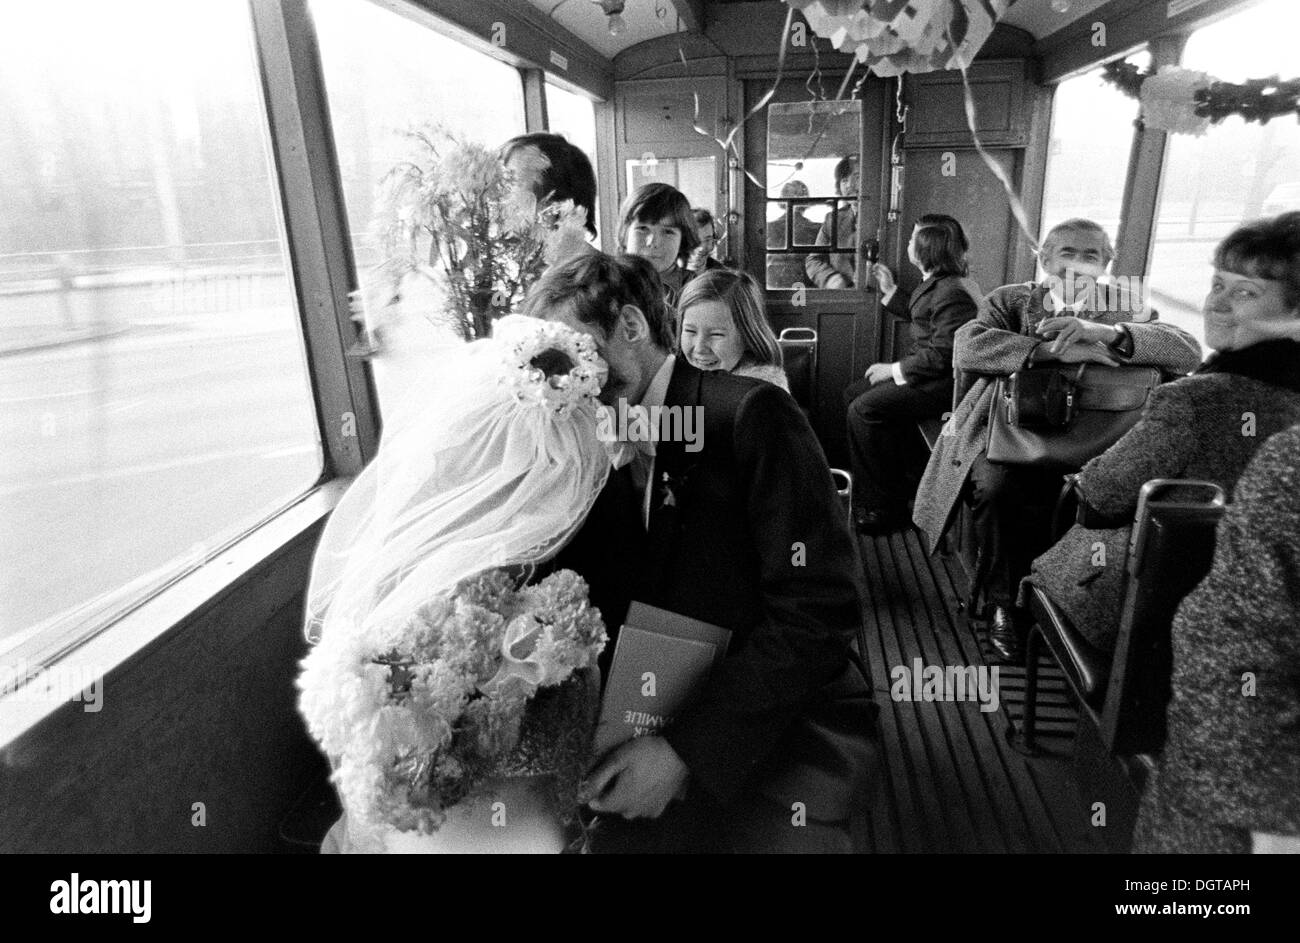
{"points": [[550, 365]]}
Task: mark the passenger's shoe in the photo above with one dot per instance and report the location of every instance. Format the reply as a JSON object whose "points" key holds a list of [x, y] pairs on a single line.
{"points": [[879, 523], [1005, 637]]}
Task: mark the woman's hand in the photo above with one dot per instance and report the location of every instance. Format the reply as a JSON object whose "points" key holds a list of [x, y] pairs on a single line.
{"points": [[884, 278]]}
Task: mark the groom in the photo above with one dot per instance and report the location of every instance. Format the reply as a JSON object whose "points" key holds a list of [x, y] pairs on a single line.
{"points": [[743, 529]]}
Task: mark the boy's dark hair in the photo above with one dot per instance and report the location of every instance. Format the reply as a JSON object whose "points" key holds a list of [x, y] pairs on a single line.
{"points": [[941, 245], [568, 175], [845, 167], [595, 287], [653, 202], [1266, 248], [704, 218]]}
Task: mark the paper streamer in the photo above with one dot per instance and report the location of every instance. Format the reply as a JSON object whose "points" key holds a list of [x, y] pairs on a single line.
{"points": [[1013, 198]]}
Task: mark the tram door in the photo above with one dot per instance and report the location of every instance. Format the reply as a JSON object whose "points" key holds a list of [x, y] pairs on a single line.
{"points": [[817, 179]]}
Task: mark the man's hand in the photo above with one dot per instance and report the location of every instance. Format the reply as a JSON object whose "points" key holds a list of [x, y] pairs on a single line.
{"points": [[1085, 353], [1066, 331], [879, 373], [637, 779], [838, 280]]}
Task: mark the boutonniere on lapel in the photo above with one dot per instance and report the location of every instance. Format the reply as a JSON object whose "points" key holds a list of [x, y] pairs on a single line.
{"points": [[673, 488]]}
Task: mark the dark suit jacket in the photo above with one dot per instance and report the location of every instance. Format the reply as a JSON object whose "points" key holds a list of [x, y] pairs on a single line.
{"points": [[746, 533], [938, 306]]}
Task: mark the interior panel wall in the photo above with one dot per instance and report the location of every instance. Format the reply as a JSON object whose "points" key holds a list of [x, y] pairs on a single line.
{"points": [[974, 196], [205, 715]]}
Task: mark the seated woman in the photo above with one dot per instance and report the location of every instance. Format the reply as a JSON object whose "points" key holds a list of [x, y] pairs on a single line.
{"points": [[1207, 425], [658, 225], [885, 405], [1231, 762], [724, 327]]}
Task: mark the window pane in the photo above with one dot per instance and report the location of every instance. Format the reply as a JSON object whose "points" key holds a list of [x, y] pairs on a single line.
{"points": [[696, 177], [386, 74], [574, 116], [156, 401], [1236, 172], [807, 143], [1088, 153]]}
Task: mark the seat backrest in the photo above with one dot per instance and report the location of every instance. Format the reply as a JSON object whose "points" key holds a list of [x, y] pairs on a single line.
{"points": [[799, 354], [1170, 552]]}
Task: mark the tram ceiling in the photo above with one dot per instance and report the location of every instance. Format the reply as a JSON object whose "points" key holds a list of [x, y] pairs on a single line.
{"points": [[643, 20], [1061, 39]]}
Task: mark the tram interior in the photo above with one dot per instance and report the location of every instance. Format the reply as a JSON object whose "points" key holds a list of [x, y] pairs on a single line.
{"points": [[189, 220]]}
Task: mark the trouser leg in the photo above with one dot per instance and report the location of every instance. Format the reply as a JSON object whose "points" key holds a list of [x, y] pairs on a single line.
{"points": [[1011, 509], [883, 440]]}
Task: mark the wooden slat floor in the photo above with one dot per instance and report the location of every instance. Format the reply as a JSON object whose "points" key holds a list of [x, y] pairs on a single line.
{"points": [[949, 780]]}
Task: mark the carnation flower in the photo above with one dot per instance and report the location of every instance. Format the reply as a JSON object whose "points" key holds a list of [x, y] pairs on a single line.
{"points": [[409, 712]]}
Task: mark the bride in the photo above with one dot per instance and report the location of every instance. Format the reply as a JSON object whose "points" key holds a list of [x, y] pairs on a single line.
{"points": [[455, 702]]}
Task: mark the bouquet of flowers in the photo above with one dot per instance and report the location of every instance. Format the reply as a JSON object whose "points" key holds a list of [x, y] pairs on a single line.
{"points": [[455, 215], [488, 680]]}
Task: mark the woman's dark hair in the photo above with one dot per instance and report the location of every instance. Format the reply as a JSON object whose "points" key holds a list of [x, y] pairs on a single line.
{"points": [[941, 245], [1266, 248], [595, 287], [653, 202], [568, 175]]}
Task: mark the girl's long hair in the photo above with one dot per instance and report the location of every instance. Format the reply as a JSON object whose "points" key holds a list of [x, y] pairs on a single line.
{"points": [[743, 296]]}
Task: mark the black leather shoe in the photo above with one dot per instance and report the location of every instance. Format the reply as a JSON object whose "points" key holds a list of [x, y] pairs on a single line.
{"points": [[1004, 637], [879, 522]]}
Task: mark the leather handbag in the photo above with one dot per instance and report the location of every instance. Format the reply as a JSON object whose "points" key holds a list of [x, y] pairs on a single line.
{"points": [[1060, 416]]}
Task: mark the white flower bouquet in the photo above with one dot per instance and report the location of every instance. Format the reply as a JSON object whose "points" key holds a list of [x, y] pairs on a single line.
{"points": [[486, 681]]}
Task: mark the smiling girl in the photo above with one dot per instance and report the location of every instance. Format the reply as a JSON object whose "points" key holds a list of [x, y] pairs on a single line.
{"points": [[724, 327]]}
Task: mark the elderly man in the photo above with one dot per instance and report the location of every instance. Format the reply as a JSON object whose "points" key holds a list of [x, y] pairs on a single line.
{"points": [[1061, 318]]}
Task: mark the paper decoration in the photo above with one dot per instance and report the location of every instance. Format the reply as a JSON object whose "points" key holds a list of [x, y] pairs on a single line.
{"points": [[895, 36], [1253, 100], [1169, 100]]}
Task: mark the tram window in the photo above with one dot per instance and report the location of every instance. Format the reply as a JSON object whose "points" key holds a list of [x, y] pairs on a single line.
{"points": [[1088, 154], [387, 74], [813, 180], [696, 177], [1237, 171], [574, 116], [154, 395]]}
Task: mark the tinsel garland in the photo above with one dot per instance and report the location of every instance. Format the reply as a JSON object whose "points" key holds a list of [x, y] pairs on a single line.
{"points": [[1254, 100]]}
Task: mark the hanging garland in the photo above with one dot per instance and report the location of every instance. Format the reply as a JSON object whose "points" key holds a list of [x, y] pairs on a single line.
{"points": [[1187, 102]]}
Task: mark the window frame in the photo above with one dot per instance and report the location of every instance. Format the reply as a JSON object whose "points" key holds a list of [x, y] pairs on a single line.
{"points": [[258, 570], [320, 265]]}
